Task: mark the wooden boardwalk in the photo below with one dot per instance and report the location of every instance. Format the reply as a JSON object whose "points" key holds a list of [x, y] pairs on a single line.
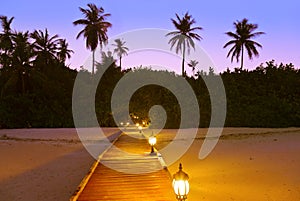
{"points": [[140, 176]]}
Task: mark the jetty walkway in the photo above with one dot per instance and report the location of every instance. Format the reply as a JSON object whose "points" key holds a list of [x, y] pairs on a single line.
{"points": [[117, 176]]}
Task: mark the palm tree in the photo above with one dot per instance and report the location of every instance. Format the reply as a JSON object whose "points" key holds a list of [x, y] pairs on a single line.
{"points": [[63, 51], [21, 57], [45, 46], [107, 60], [108, 68], [6, 43], [184, 35], [120, 49], [95, 28], [242, 39], [193, 64]]}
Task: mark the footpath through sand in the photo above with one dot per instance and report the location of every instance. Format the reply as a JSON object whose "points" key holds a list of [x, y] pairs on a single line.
{"points": [[119, 176]]}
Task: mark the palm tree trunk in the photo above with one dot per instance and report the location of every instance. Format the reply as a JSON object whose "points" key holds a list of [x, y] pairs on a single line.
{"points": [[242, 59], [120, 61], [183, 55], [93, 64], [23, 83]]}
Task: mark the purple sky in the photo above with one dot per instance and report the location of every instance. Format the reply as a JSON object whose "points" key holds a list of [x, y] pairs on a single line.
{"points": [[279, 19]]}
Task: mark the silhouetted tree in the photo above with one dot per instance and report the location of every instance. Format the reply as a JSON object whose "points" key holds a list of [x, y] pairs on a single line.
{"points": [[211, 71], [21, 59], [120, 49], [6, 43], [184, 35], [95, 28], [62, 51], [45, 46], [244, 32], [193, 64]]}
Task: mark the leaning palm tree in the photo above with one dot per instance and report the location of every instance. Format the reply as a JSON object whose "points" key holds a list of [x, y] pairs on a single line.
{"points": [[193, 64], [242, 39], [184, 35], [95, 28], [120, 49], [63, 51]]}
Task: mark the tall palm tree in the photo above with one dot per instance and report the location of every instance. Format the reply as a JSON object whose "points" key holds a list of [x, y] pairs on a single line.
{"points": [[184, 35], [45, 46], [6, 43], [193, 64], [63, 51], [120, 49], [95, 28], [244, 32]]}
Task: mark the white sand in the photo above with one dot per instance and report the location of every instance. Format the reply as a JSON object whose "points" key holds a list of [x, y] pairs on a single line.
{"points": [[42, 169], [247, 164]]}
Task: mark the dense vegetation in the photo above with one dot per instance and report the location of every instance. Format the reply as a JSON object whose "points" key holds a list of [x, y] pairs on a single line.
{"points": [[36, 86], [268, 96]]}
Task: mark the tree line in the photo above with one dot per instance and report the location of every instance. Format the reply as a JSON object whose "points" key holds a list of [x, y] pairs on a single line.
{"points": [[36, 85]]}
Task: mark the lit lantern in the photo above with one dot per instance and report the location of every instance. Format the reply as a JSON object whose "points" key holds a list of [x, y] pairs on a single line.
{"points": [[152, 142], [180, 184], [137, 124], [140, 129]]}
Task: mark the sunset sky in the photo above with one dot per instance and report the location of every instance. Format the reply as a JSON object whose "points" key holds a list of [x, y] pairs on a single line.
{"points": [[279, 19]]}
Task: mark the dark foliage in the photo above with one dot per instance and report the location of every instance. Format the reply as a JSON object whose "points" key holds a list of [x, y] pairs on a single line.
{"points": [[266, 97]]}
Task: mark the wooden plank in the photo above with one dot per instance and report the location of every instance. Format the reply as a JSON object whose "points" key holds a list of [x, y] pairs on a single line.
{"points": [[109, 184]]}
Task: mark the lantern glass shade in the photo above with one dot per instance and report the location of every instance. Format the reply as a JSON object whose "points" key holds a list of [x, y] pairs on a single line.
{"points": [[152, 140], [180, 184], [181, 187], [140, 128]]}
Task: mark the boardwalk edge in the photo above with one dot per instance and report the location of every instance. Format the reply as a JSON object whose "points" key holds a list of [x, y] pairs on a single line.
{"points": [[87, 177]]}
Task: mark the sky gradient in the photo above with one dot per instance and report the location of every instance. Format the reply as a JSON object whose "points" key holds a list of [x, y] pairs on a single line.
{"points": [[278, 19]]}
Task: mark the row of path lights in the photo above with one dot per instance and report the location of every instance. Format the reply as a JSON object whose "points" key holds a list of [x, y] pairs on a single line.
{"points": [[180, 179]]}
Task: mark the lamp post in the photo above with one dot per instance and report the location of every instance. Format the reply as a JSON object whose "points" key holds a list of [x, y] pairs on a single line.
{"points": [[152, 142], [180, 184]]}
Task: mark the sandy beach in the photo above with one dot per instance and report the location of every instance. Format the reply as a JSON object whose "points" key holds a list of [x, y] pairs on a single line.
{"points": [[42, 164], [247, 164]]}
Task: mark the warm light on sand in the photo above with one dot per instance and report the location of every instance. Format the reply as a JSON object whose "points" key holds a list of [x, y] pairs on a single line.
{"points": [[247, 164]]}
